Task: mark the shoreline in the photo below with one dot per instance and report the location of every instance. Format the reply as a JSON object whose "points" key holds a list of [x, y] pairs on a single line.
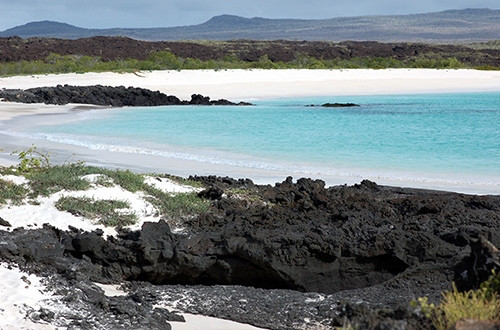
{"points": [[261, 84], [233, 85]]}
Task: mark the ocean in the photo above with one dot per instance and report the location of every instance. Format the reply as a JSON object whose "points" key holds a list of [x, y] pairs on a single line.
{"points": [[446, 138]]}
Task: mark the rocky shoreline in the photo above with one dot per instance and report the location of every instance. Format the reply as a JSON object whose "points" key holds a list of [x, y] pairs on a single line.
{"points": [[104, 96], [296, 255]]}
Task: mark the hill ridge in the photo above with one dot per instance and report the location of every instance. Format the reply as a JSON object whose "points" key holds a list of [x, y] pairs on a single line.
{"points": [[454, 25]]}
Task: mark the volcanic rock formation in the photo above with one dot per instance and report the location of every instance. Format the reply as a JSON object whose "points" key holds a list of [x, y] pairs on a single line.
{"points": [[380, 245], [103, 95]]}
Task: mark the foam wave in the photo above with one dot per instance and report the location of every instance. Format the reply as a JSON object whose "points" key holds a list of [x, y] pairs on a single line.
{"points": [[243, 161]]}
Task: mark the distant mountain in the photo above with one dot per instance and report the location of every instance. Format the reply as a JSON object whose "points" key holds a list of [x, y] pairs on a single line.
{"points": [[446, 26], [43, 28], [50, 29]]}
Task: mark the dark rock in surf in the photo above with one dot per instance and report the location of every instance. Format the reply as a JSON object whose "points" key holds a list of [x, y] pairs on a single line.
{"points": [[339, 105], [197, 99], [336, 105]]}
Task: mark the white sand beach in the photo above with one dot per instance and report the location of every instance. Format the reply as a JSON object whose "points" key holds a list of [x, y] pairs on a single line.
{"points": [[246, 85], [253, 84]]}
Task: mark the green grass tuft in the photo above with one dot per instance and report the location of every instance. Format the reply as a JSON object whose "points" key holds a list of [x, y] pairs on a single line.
{"points": [[102, 210], [178, 204], [57, 178], [128, 180], [11, 192]]}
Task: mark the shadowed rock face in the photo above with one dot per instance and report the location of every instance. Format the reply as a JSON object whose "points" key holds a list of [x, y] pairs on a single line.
{"points": [[298, 236], [104, 96], [478, 266]]}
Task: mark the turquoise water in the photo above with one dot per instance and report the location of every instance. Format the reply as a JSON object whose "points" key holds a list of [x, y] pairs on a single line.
{"points": [[416, 137]]}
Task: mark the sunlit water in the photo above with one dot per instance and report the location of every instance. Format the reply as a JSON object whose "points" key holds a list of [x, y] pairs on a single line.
{"points": [[445, 137]]}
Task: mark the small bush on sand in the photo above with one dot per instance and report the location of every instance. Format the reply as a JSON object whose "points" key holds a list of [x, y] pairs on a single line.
{"points": [[46, 178], [32, 160]]}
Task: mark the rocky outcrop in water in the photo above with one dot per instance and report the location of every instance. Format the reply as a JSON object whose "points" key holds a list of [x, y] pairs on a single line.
{"points": [[339, 105], [381, 246], [104, 96], [336, 105]]}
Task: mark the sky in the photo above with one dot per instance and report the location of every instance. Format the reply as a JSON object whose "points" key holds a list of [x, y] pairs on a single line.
{"points": [[168, 13]]}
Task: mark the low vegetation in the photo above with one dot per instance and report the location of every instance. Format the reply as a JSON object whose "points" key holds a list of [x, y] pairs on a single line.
{"points": [[106, 211], [12, 192], [481, 304], [32, 160], [176, 204], [165, 60], [45, 179]]}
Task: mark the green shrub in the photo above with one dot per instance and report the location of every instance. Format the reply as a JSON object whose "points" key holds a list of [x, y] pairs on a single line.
{"points": [[474, 304], [492, 285], [451, 63], [32, 160], [104, 181], [164, 60]]}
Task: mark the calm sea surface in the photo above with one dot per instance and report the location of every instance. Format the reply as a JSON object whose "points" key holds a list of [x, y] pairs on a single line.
{"points": [[444, 137]]}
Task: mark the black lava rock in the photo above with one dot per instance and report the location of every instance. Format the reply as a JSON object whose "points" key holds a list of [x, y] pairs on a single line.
{"points": [[104, 96], [380, 245]]}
